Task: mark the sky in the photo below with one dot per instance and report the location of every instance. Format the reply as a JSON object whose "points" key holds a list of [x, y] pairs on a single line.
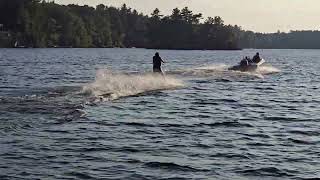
{"points": [[256, 15]]}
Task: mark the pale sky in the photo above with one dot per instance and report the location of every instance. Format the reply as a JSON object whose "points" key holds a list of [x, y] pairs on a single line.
{"points": [[256, 15]]}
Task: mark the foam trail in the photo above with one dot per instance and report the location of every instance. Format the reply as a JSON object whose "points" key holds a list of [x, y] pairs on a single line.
{"points": [[217, 71], [249, 73], [110, 86], [206, 70], [260, 71], [268, 69], [216, 67]]}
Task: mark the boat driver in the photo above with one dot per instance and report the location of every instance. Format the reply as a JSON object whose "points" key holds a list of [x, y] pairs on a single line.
{"points": [[256, 58]]}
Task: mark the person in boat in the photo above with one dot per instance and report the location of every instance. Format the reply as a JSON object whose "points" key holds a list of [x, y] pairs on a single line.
{"points": [[249, 60], [256, 58], [244, 62], [157, 61]]}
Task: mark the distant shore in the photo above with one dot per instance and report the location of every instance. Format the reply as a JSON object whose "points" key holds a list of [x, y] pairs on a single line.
{"points": [[239, 49], [50, 25]]}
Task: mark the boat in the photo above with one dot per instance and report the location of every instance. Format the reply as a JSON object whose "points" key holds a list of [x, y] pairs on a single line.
{"points": [[247, 65]]}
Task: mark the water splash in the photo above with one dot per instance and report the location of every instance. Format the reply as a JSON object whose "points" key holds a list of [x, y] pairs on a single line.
{"points": [[267, 69], [112, 85], [261, 71]]}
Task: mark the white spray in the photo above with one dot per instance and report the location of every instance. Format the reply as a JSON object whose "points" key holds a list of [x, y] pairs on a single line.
{"points": [[109, 85]]}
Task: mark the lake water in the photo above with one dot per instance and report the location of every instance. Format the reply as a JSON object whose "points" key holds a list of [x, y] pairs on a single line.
{"points": [[101, 114]]}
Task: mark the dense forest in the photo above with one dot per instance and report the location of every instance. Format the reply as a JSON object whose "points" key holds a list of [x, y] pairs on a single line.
{"points": [[32, 23], [281, 40], [35, 23]]}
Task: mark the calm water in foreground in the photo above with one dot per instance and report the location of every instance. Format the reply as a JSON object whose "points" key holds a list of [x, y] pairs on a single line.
{"points": [[100, 114]]}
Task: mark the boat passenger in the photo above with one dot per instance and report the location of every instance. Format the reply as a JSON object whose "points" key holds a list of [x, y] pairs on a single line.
{"points": [[244, 62], [249, 60], [256, 58]]}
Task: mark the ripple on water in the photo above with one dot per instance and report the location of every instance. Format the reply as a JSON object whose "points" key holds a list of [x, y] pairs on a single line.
{"points": [[173, 167], [266, 171], [227, 124]]}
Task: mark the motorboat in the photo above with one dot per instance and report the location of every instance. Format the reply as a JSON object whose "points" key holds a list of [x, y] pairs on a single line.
{"points": [[247, 65]]}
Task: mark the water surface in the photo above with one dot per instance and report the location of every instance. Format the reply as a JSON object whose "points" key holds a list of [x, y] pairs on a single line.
{"points": [[101, 114]]}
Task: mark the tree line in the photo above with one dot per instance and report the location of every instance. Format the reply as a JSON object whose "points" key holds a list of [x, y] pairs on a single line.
{"points": [[32, 23], [281, 40], [35, 23]]}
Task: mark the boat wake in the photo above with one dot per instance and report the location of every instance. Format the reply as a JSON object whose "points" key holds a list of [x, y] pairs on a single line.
{"points": [[221, 70], [267, 69], [206, 70], [114, 85]]}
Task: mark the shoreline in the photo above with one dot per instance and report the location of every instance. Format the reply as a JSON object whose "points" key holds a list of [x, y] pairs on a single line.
{"points": [[178, 49]]}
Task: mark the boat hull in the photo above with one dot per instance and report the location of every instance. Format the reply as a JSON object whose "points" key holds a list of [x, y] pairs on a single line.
{"points": [[249, 68]]}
